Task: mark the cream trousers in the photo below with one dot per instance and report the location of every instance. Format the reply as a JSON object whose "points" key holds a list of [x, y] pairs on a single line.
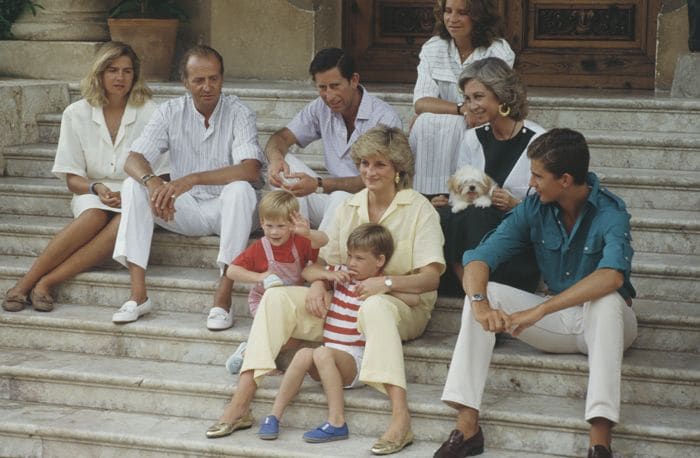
{"points": [[601, 329], [230, 216], [384, 321]]}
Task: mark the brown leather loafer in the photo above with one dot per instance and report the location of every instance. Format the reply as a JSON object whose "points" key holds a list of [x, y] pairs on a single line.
{"points": [[600, 451], [14, 302], [456, 447], [41, 302]]}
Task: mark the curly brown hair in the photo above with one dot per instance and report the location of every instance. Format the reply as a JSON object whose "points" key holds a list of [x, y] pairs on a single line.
{"points": [[486, 19]]}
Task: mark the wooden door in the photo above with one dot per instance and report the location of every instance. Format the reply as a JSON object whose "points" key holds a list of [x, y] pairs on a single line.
{"points": [[559, 43]]}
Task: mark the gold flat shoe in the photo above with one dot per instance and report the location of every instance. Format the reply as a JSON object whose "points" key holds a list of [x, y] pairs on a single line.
{"points": [[224, 429], [387, 447]]}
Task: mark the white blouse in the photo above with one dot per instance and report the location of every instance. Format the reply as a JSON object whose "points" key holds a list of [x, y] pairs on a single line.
{"points": [[86, 149], [440, 67]]}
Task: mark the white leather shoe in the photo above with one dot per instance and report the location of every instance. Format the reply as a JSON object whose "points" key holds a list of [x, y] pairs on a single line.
{"points": [[131, 311], [219, 319], [272, 281]]}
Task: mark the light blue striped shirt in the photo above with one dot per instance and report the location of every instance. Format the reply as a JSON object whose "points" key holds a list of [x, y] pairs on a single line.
{"points": [[178, 127]]}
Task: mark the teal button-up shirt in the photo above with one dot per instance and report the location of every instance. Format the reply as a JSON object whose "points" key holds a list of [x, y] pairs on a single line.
{"points": [[600, 239]]}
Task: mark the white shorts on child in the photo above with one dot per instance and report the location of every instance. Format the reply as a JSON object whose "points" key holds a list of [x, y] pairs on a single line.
{"points": [[356, 353]]}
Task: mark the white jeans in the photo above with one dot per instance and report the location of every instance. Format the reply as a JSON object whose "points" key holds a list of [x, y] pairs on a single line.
{"points": [[318, 208], [602, 329], [229, 216]]}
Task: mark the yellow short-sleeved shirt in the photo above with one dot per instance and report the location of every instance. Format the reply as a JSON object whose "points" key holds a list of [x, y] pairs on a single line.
{"points": [[413, 223]]}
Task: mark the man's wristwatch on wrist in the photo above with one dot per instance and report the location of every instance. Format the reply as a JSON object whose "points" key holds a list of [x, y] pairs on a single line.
{"points": [[388, 283], [91, 187], [478, 297], [319, 185], [146, 177], [459, 108]]}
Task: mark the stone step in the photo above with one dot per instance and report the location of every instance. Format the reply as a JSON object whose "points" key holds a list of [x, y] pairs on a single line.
{"points": [[199, 391], [655, 276], [60, 60], [655, 189], [32, 430], [667, 378], [644, 150]]}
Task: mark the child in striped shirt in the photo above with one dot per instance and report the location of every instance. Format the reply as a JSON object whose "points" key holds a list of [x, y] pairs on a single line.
{"points": [[337, 363]]}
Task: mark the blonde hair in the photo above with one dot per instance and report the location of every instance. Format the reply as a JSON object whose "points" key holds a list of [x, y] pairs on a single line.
{"points": [[276, 205], [391, 143], [373, 238], [91, 86], [500, 79]]}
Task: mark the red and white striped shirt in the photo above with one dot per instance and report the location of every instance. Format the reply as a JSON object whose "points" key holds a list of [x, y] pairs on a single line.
{"points": [[341, 320]]}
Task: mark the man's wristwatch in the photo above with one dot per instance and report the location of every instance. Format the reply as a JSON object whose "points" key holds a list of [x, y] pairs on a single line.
{"points": [[459, 108], [146, 177], [388, 283], [478, 297], [319, 185]]}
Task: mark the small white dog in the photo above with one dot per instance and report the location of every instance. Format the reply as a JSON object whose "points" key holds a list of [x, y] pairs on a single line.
{"points": [[470, 186]]}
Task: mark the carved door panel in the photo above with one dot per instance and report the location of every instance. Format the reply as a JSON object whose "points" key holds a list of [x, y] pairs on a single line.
{"points": [[584, 43], [559, 43]]}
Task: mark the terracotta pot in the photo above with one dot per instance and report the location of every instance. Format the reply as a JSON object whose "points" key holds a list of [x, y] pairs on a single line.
{"points": [[153, 41]]}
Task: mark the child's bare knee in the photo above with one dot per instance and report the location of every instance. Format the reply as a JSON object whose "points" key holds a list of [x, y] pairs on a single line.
{"points": [[322, 355]]}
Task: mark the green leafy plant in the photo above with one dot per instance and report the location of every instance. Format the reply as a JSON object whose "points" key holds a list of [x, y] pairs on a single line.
{"points": [[148, 9], [10, 10]]}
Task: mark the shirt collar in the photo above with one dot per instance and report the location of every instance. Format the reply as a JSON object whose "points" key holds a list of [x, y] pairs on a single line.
{"points": [[593, 181], [360, 200], [199, 115], [364, 111]]}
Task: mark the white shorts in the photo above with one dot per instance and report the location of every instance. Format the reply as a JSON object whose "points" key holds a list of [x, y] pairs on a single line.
{"points": [[356, 353]]}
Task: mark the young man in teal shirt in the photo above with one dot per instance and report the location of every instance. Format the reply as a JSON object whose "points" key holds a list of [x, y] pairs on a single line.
{"points": [[581, 236]]}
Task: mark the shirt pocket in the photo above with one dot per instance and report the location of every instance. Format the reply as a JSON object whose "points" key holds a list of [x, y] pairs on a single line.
{"points": [[592, 253]]}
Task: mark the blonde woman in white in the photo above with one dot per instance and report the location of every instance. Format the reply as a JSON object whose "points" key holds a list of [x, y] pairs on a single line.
{"points": [[96, 133]]}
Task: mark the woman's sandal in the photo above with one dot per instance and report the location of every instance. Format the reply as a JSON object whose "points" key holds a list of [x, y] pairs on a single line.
{"points": [[41, 302], [14, 302]]}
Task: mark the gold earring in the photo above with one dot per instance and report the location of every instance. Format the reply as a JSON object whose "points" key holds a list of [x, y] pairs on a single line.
{"points": [[505, 112], [397, 178]]}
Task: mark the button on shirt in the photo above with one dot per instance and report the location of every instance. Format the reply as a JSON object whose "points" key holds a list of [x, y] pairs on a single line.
{"points": [[317, 121], [600, 239], [176, 125]]}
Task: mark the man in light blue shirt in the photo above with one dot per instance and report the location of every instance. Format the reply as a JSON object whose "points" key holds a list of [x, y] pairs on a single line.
{"points": [[581, 236]]}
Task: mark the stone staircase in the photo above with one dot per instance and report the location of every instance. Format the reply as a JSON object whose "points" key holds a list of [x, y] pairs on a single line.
{"points": [[72, 383]]}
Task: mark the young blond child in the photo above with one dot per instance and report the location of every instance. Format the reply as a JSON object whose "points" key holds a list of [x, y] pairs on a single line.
{"points": [[337, 363], [278, 258]]}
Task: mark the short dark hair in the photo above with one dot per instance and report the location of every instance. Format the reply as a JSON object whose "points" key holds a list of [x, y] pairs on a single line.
{"points": [[562, 151], [200, 51], [487, 24], [374, 238], [330, 58]]}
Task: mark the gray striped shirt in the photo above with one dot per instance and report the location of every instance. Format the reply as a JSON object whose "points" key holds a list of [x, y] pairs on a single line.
{"points": [[178, 127]]}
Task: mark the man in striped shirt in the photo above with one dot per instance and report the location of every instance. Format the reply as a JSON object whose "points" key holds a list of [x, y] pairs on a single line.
{"points": [[215, 162], [342, 112]]}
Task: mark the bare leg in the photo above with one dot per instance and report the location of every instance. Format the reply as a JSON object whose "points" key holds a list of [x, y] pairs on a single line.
{"points": [[467, 421], [92, 253], [336, 369], [222, 295], [80, 231], [400, 416], [293, 378], [600, 433], [241, 399], [138, 283]]}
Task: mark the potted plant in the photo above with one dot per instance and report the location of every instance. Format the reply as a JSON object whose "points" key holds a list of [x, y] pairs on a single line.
{"points": [[150, 27], [10, 10]]}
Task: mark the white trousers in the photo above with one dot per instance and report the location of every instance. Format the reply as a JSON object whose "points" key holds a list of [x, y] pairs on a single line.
{"points": [[230, 216], [435, 140], [602, 329], [318, 208]]}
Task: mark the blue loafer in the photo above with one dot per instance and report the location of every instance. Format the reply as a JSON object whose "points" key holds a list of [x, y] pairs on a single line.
{"points": [[269, 428], [326, 433]]}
